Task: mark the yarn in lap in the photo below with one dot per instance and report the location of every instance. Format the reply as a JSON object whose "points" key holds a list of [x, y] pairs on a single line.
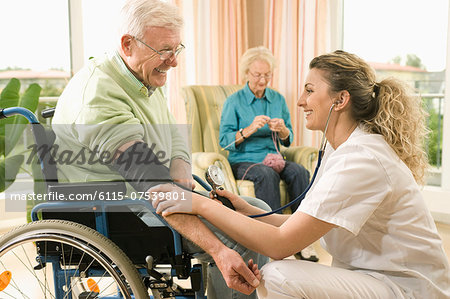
{"points": [[275, 161]]}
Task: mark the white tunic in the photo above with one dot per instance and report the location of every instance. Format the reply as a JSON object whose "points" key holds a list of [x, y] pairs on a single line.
{"points": [[384, 227]]}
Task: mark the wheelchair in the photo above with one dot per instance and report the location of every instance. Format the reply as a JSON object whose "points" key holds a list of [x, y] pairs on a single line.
{"points": [[92, 249]]}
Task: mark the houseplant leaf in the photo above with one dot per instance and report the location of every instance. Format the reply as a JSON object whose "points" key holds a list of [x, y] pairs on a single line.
{"points": [[8, 98], [13, 163], [29, 100]]}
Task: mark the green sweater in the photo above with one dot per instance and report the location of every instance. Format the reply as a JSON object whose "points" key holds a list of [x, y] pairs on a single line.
{"points": [[103, 107]]}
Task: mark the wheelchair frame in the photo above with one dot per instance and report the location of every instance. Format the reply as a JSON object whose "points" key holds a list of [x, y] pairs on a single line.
{"points": [[63, 243]]}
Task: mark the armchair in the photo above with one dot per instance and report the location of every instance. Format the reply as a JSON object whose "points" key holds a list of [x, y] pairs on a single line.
{"points": [[203, 108]]}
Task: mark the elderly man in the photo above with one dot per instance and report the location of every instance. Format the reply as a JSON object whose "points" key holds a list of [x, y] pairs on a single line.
{"points": [[115, 108]]}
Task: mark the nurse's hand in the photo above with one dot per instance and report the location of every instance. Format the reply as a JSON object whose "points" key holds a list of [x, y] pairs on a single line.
{"points": [[170, 199], [239, 204]]}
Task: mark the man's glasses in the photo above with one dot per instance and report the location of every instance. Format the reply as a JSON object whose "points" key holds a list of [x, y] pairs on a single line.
{"points": [[164, 54], [258, 76]]}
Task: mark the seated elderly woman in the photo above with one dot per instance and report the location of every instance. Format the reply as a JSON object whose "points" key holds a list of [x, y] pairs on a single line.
{"points": [[255, 120]]}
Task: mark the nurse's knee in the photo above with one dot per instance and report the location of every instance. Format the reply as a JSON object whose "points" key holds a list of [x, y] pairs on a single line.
{"points": [[288, 279]]}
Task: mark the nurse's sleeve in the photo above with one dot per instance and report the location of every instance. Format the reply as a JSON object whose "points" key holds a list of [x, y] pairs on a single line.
{"points": [[352, 186]]}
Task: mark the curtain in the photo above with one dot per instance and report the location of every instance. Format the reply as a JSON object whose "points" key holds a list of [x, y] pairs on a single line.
{"points": [[296, 31], [215, 36]]}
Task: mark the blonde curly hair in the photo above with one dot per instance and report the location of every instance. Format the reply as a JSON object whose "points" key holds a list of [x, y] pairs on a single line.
{"points": [[389, 108]]}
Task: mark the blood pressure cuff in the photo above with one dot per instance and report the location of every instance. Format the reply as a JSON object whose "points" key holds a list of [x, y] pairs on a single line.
{"points": [[141, 168]]}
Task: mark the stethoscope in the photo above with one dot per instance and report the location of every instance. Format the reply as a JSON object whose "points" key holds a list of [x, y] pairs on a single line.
{"points": [[215, 176]]}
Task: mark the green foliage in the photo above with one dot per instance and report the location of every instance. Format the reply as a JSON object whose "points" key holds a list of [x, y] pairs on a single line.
{"points": [[397, 60], [11, 128], [13, 162], [411, 60], [434, 123], [50, 90], [414, 60], [434, 119]]}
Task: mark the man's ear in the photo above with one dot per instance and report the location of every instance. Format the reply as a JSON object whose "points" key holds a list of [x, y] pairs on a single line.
{"points": [[125, 44]]}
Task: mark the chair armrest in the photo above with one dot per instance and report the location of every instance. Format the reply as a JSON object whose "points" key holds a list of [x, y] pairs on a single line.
{"points": [[304, 155], [246, 188], [202, 160]]}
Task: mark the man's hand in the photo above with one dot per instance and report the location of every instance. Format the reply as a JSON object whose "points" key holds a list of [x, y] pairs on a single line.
{"points": [[188, 183], [239, 276]]}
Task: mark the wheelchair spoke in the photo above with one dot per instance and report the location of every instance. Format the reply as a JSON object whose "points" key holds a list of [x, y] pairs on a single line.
{"points": [[64, 263], [73, 281], [79, 277], [77, 260], [5, 293], [13, 283], [42, 285]]}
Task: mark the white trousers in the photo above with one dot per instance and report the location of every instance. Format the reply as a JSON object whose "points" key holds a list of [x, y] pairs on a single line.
{"points": [[288, 279]]}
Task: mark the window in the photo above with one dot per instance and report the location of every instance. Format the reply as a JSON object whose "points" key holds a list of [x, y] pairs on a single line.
{"points": [[385, 32], [35, 47], [100, 23], [406, 39]]}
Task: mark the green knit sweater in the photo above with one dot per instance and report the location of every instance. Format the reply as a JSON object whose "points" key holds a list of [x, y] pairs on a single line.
{"points": [[103, 107]]}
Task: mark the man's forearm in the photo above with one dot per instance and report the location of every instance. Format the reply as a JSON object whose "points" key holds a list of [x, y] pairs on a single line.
{"points": [[191, 227], [234, 269], [181, 172]]}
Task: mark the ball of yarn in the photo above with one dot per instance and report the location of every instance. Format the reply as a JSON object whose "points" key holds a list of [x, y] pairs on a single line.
{"points": [[275, 161]]}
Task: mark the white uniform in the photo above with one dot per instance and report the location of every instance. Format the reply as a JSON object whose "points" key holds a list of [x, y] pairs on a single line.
{"points": [[385, 233]]}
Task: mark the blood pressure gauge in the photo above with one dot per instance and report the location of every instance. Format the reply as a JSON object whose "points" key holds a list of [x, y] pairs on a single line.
{"points": [[214, 176]]}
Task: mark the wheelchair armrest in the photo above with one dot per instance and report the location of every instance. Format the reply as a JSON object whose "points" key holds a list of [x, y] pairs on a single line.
{"points": [[83, 188], [304, 155]]}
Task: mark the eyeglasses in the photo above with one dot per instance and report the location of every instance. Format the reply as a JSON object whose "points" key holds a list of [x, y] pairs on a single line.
{"points": [[164, 54], [258, 76]]}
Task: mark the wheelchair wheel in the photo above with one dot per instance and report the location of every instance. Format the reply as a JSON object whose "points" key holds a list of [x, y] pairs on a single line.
{"points": [[62, 259]]}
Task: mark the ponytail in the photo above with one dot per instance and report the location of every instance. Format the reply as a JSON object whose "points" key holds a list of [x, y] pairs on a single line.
{"points": [[401, 121]]}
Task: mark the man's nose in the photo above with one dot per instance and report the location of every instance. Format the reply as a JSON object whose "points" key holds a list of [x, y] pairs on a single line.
{"points": [[172, 61]]}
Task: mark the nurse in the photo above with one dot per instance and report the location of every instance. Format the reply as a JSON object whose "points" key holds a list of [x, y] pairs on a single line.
{"points": [[365, 204]]}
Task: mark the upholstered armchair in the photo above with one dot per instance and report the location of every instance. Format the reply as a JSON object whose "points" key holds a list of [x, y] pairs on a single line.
{"points": [[203, 108]]}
